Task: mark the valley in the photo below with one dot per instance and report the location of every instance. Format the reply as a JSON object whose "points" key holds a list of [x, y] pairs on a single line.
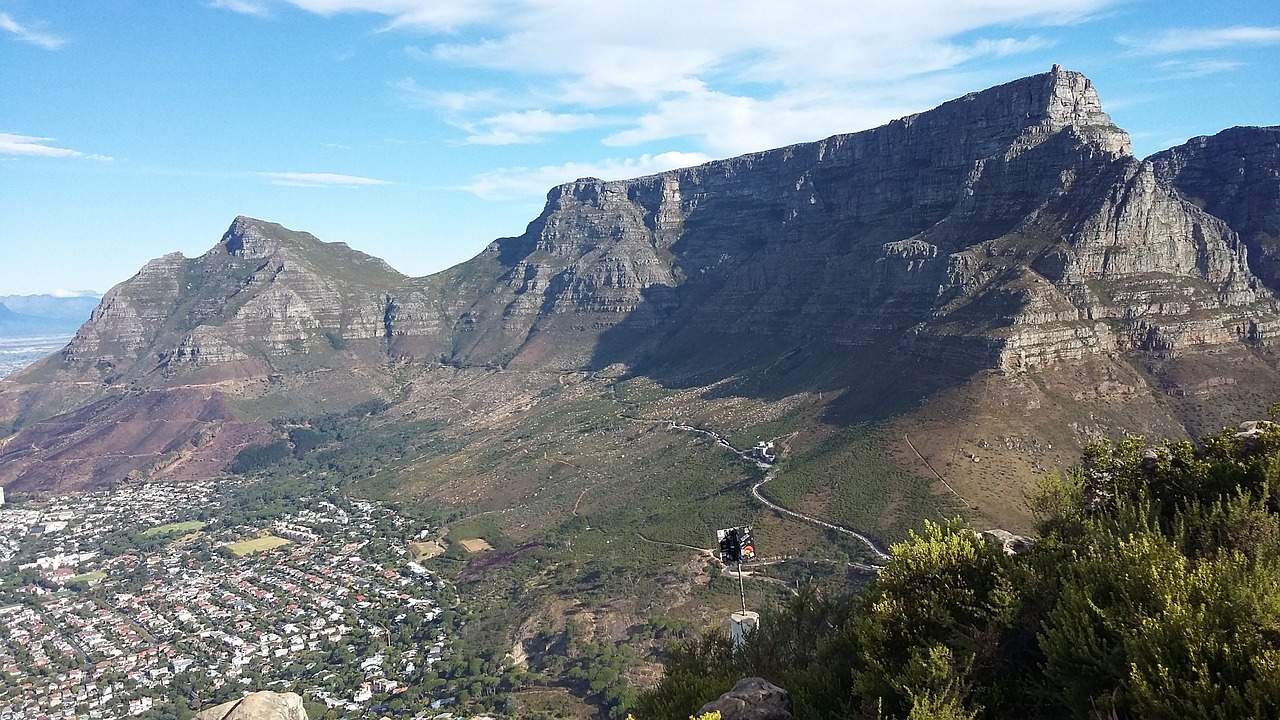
{"points": [[919, 322]]}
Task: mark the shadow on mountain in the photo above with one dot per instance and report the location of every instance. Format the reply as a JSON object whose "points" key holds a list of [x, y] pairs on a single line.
{"points": [[866, 382]]}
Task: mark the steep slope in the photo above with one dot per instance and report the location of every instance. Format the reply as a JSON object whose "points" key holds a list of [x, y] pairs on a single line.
{"points": [[1235, 175], [261, 313], [998, 274], [263, 301], [263, 292], [1009, 228], [179, 434]]}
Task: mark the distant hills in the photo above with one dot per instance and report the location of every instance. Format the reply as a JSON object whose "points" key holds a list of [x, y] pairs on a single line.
{"points": [[34, 315]]}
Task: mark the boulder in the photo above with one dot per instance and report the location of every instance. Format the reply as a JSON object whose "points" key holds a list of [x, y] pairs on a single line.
{"points": [[1007, 541], [752, 698], [264, 705]]}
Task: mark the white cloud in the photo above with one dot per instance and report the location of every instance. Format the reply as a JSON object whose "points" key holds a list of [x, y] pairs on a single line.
{"points": [[725, 76], [61, 293], [611, 51], [452, 101], [1193, 39], [519, 182], [527, 126], [727, 124], [729, 74], [432, 14], [1186, 70], [302, 179], [11, 144], [634, 48], [30, 35], [244, 7]]}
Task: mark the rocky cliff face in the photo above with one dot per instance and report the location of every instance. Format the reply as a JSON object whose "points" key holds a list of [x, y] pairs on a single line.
{"points": [[262, 705], [263, 292], [1010, 229], [1234, 175]]}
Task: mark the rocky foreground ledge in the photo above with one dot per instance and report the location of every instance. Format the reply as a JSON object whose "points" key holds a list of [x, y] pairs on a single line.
{"points": [[263, 705]]}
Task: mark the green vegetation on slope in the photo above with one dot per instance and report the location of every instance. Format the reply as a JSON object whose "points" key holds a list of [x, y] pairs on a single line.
{"points": [[851, 480], [1153, 592], [601, 511]]}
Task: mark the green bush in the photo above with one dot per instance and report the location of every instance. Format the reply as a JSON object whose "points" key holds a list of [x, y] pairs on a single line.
{"points": [[259, 457], [1153, 591]]}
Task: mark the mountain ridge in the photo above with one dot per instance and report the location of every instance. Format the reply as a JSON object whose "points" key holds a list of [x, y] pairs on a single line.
{"points": [[26, 315], [1005, 247]]}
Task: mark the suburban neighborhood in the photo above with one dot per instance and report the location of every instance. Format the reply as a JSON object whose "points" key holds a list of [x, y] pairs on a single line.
{"points": [[117, 603]]}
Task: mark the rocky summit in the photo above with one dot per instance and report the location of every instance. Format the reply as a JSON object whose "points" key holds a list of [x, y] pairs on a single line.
{"points": [[999, 278]]}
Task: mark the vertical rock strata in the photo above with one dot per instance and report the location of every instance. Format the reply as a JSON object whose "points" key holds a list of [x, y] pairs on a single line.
{"points": [[1009, 228], [1235, 175]]}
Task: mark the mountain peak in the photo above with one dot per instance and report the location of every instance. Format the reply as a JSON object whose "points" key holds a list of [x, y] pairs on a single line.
{"points": [[1008, 230], [1068, 99], [251, 238]]}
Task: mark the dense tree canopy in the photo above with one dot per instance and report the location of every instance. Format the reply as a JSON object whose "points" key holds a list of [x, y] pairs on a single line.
{"points": [[1153, 591]]}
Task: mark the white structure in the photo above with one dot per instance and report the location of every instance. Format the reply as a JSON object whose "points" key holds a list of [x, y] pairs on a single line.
{"points": [[764, 452], [742, 623]]}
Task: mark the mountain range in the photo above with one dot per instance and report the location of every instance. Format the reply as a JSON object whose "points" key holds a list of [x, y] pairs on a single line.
{"points": [[924, 316], [33, 315]]}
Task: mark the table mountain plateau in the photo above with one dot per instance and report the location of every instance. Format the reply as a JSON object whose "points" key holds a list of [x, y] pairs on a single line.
{"points": [[996, 279]]}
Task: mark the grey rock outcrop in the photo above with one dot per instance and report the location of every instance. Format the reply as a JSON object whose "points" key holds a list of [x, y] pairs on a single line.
{"points": [[1010, 228], [751, 698], [1008, 542], [1235, 176], [263, 292], [1252, 432], [262, 705]]}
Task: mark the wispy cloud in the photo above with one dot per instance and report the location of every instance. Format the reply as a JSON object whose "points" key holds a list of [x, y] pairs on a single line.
{"points": [[244, 7], [61, 293], [1194, 39], [29, 34], [528, 126], [303, 179], [452, 101], [727, 124], [430, 14], [1186, 70], [520, 182], [11, 144], [732, 74]]}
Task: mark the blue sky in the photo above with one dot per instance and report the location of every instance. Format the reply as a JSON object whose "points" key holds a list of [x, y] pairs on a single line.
{"points": [[419, 130]]}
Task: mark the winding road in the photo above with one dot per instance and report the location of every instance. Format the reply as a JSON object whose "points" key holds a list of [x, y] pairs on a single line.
{"points": [[772, 472], [871, 544]]}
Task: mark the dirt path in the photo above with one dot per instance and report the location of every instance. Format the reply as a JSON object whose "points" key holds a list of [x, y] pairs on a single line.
{"points": [[871, 544], [772, 472]]}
